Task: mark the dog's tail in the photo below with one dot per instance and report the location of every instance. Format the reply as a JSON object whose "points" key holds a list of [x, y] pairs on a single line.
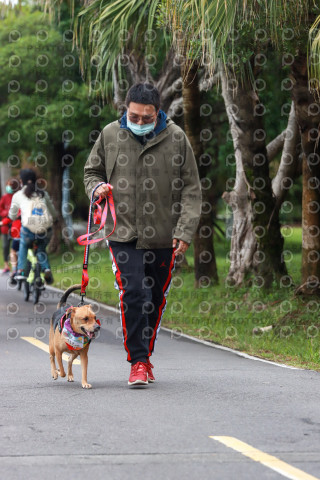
{"points": [[66, 294]]}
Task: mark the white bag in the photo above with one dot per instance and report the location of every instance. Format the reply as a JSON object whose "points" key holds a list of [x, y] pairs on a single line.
{"points": [[39, 219]]}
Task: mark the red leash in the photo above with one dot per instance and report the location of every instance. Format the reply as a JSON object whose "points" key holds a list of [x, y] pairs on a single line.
{"points": [[99, 217]]}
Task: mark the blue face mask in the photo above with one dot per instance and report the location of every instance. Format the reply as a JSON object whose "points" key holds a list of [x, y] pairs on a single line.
{"points": [[140, 129], [9, 189]]}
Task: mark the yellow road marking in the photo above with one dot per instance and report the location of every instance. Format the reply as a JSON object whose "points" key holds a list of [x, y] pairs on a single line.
{"points": [[268, 460], [45, 347]]}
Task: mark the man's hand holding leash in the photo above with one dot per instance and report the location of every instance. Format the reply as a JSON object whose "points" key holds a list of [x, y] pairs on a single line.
{"points": [[182, 246], [103, 190]]}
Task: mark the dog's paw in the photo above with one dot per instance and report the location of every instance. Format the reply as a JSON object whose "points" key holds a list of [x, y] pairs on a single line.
{"points": [[70, 378], [86, 385], [55, 375]]}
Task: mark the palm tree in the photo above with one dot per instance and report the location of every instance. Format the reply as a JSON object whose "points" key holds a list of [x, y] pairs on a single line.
{"points": [[213, 25], [308, 114]]}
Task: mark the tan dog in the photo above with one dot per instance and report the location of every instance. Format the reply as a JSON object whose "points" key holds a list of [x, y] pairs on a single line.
{"points": [[71, 330]]}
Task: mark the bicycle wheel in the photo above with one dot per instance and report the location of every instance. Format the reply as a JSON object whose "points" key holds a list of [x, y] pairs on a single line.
{"points": [[26, 290], [36, 294], [26, 284], [37, 284]]}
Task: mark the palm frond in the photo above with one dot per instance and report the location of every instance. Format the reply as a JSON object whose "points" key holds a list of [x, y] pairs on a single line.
{"points": [[200, 28], [105, 29], [314, 55], [204, 27], [52, 8]]}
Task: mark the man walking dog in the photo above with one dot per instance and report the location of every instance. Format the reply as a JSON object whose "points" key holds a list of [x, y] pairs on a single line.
{"points": [[148, 162]]}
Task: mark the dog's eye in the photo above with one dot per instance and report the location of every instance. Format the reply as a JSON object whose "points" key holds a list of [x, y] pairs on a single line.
{"points": [[86, 319]]}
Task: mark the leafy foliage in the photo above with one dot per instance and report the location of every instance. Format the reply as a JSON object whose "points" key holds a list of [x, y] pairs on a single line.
{"points": [[44, 101], [39, 78]]}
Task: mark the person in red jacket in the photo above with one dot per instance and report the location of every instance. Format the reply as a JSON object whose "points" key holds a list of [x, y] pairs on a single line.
{"points": [[15, 226], [5, 202]]}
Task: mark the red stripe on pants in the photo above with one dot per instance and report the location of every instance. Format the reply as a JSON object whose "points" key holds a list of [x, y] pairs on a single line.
{"points": [[123, 321], [151, 345]]}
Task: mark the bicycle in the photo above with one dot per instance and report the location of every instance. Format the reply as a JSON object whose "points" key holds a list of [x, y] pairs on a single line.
{"points": [[34, 282]]}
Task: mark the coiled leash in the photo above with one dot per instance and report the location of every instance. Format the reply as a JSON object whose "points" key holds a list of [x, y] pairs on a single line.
{"points": [[99, 217]]}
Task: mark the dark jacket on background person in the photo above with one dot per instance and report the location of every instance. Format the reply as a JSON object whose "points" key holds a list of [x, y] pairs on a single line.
{"points": [[156, 186]]}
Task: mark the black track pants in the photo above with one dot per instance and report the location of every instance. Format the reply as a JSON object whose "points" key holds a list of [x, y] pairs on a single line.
{"points": [[143, 278]]}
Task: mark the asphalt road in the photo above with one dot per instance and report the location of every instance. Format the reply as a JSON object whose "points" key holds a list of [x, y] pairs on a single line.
{"points": [[53, 429]]}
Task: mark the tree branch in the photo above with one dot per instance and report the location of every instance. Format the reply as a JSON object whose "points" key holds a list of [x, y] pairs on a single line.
{"points": [[170, 72], [289, 160], [174, 89], [276, 145], [176, 108]]}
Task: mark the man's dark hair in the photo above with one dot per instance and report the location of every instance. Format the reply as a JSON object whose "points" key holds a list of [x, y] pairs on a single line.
{"points": [[143, 93]]}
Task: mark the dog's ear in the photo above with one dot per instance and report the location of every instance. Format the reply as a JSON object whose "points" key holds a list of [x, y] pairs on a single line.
{"points": [[90, 307], [73, 310]]}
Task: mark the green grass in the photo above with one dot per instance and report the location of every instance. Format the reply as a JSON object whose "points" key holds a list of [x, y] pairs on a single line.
{"points": [[221, 314], [67, 270]]}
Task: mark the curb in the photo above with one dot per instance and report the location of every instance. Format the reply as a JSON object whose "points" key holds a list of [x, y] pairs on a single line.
{"points": [[175, 334]]}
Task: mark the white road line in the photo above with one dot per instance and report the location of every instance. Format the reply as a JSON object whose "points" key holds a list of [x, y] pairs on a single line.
{"points": [[43, 346], [265, 459], [176, 334]]}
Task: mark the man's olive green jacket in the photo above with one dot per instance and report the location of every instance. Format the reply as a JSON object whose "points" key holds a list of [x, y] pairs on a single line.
{"points": [[156, 186]]}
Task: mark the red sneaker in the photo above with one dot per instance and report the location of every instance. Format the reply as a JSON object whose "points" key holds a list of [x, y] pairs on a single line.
{"points": [[138, 374], [151, 378]]}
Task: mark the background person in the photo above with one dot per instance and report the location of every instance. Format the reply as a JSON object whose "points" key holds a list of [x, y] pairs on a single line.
{"points": [[150, 165], [36, 209], [15, 227], [5, 203]]}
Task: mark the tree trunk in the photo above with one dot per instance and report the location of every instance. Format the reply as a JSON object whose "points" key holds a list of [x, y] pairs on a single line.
{"points": [[257, 243], [56, 171], [308, 117], [310, 228], [5, 175], [204, 255]]}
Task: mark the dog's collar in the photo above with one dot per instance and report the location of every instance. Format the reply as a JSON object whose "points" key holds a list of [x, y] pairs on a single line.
{"points": [[65, 316]]}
